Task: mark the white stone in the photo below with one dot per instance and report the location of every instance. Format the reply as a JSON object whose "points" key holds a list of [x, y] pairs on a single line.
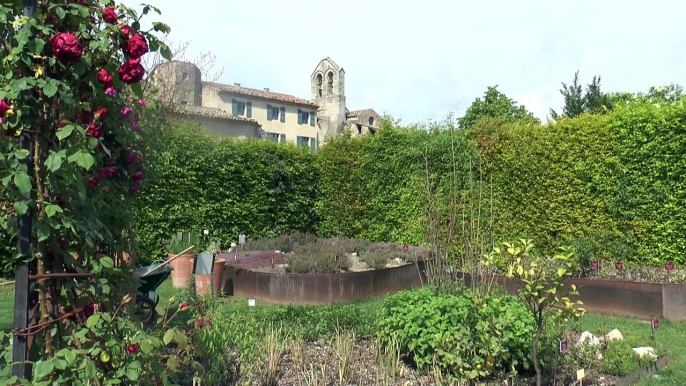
{"points": [[588, 338], [354, 254], [643, 351], [614, 335]]}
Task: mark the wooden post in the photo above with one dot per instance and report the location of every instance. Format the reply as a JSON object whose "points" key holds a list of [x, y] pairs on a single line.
{"points": [[20, 354]]}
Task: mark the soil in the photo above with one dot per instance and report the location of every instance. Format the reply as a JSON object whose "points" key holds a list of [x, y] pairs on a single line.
{"points": [[318, 363]]}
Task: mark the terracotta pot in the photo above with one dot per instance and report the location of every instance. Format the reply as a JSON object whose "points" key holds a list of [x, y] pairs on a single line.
{"points": [[128, 259], [183, 269], [202, 282]]}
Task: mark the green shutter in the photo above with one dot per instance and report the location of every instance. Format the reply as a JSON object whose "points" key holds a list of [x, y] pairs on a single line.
{"points": [[283, 114], [300, 117], [283, 138], [311, 118], [313, 144], [269, 112], [248, 109], [234, 107]]}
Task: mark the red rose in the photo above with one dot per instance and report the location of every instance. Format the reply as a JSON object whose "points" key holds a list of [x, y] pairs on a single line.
{"points": [[83, 2], [126, 30], [109, 15], [100, 114], [105, 78], [132, 348], [136, 47], [88, 310], [67, 47], [93, 181], [184, 305], [4, 108], [132, 71], [94, 131], [137, 176]]}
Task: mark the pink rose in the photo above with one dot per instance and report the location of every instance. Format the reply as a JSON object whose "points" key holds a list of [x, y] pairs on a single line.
{"points": [[4, 108], [126, 111], [100, 114], [134, 188], [143, 102], [137, 176], [67, 47], [110, 91], [126, 30], [132, 71]]}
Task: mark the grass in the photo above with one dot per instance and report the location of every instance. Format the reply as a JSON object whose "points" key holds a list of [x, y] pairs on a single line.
{"points": [[316, 322]]}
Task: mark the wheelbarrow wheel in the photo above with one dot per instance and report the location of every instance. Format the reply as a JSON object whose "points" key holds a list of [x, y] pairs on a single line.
{"points": [[145, 310]]}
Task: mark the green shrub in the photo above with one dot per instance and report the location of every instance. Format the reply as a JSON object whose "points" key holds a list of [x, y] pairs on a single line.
{"points": [[470, 334], [187, 240], [619, 359], [322, 256]]}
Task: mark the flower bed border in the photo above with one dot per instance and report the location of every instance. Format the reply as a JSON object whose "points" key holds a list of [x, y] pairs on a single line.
{"points": [[621, 298], [643, 372], [321, 289]]}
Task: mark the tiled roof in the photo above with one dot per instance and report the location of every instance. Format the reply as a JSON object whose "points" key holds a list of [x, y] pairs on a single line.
{"points": [[357, 113], [209, 112], [255, 93]]}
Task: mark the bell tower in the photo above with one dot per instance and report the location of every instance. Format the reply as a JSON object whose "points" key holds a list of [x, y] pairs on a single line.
{"points": [[328, 91]]}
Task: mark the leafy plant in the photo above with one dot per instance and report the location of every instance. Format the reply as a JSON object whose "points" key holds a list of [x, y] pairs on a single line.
{"points": [[541, 286], [469, 335], [619, 359], [187, 240]]}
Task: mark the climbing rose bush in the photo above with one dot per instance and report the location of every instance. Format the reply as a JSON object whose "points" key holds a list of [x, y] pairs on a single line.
{"points": [[70, 160]]}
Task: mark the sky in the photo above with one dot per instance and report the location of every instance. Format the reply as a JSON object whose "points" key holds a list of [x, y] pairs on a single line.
{"points": [[420, 60]]}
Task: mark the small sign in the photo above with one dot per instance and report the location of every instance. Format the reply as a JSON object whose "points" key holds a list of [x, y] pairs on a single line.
{"points": [[656, 323], [563, 345], [406, 248], [251, 302], [595, 264], [233, 245], [179, 235], [241, 239], [580, 374], [669, 266], [206, 232], [619, 265]]}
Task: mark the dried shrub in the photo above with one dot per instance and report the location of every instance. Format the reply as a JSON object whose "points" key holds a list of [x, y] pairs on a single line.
{"points": [[350, 245], [284, 243], [256, 259], [377, 255], [321, 256]]}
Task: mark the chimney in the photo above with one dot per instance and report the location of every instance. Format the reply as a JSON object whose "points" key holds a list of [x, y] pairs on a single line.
{"points": [[266, 89], [237, 84]]}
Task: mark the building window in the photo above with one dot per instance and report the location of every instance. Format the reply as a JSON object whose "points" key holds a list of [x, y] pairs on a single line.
{"points": [[359, 129], [272, 137], [307, 142], [237, 108], [329, 81], [371, 121], [276, 113], [306, 117]]}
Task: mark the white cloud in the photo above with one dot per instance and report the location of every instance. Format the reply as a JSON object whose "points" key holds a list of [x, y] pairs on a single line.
{"points": [[418, 59]]}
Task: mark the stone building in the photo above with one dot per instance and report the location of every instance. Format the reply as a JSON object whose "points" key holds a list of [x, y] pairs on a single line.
{"points": [[234, 110]]}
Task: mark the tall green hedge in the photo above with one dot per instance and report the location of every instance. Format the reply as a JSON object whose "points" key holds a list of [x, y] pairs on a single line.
{"points": [[227, 186]]}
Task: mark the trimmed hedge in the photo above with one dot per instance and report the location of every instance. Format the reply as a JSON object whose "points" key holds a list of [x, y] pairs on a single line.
{"points": [[227, 186]]}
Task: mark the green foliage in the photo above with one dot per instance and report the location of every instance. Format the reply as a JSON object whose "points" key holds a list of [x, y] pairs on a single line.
{"points": [[468, 335], [197, 181], [541, 286], [376, 255], [495, 105], [619, 359], [577, 102], [179, 244]]}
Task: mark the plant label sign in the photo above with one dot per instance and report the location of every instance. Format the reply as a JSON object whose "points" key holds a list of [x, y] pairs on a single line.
{"points": [[206, 232], [580, 374], [251, 302], [669, 267], [179, 235], [595, 265], [563, 345], [619, 266], [656, 323], [241, 239], [406, 248]]}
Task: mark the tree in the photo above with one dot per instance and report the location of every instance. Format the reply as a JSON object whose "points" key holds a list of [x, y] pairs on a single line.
{"points": [[577, 102], [495, 105]]}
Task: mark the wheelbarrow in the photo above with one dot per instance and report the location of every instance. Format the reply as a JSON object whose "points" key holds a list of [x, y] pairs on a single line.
{"points": [[149, 282]]}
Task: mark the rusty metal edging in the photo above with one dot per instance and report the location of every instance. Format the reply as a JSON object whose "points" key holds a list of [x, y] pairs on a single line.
{"points": [[643, 372]]}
